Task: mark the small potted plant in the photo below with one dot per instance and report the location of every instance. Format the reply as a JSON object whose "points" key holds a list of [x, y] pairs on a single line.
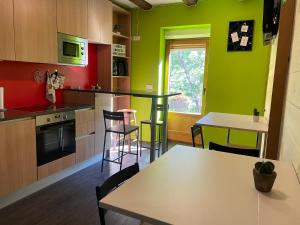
{"points": [[264, 176], [255, 115]]}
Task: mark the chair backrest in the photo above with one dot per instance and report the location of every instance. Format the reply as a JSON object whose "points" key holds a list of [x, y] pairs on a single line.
{"points": [[112, 183], [113, 116], [197, 130], [241, 151]]}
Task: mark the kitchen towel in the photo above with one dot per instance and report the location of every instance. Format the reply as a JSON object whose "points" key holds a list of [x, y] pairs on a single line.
{"points": [[1, 98], [50, 91]]}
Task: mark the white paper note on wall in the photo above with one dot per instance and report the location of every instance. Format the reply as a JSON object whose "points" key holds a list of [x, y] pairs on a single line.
{"points": [[244, 41], [244, 28], [234, 37]]}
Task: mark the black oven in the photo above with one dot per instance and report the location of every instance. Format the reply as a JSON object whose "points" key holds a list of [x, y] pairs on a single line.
{"points": [[55, 136]]}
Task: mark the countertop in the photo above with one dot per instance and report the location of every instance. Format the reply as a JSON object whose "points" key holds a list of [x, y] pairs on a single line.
{"points": [[33, 111], [135, 93]]}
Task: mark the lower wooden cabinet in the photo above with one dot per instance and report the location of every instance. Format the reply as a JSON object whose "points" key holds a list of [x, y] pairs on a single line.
{"points": [[85, 122], [56, 166], [18, 166], [85, 148]]}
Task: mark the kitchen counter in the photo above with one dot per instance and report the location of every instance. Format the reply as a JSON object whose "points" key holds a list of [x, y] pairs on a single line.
{"points": [[12, 114], [135, 93], [33, 111]]}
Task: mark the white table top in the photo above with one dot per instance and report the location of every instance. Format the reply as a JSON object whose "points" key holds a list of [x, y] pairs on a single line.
{"points": [[188, 186], [234, 121]]}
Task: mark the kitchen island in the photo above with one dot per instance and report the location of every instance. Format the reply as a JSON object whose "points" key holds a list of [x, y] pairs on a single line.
{"points": [[154, 96]]}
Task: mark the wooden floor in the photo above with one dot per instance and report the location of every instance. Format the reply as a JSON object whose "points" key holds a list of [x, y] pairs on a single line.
{"points": [[71, 201]]}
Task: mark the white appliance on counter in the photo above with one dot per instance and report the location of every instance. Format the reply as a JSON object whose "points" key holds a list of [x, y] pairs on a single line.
{"points": [[2, 99]]}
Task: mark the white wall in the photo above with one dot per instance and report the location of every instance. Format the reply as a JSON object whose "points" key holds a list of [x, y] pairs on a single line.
{"points": [[290, 133]]}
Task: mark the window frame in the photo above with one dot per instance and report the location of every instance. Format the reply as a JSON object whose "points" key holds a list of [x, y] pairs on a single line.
{"points": [[188, 44]]}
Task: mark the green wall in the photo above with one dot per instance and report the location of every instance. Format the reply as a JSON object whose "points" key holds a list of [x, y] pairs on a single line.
{"points": [[236, 80]]}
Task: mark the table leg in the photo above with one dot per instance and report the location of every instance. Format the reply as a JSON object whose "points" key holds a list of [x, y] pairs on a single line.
{"points": [[259, 144], [265, 145], [153, 128], [165, 126], [228, 136]]}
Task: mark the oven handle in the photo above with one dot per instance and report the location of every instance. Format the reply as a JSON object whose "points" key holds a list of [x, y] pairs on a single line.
{"points": [[61, 138], [58, 125]]}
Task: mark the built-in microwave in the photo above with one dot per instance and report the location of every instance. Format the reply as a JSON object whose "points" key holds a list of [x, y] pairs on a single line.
{"points": [[72, 50]]}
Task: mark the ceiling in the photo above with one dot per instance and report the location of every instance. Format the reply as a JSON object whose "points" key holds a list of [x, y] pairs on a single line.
{"points": [[152, 2]]}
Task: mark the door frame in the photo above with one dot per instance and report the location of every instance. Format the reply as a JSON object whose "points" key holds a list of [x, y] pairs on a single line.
{"points": [[178, 119]]}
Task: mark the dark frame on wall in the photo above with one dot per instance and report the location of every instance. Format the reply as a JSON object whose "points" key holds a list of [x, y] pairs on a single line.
{"points": [[240, 35]]}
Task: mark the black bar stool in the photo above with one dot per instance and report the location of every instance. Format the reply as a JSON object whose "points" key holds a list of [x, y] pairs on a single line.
{"points": [[159, 108], [119, 127]]}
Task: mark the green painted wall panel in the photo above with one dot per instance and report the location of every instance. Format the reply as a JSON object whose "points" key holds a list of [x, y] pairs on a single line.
{"points": [[236, 80]]}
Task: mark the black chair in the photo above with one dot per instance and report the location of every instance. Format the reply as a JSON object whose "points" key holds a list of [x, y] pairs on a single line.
{"points": [[111, 184], [241, 151], [197, 130], [159, 124], [118, 127]]}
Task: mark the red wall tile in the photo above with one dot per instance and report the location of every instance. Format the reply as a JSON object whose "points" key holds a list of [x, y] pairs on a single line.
{"points": [[20, 89]]}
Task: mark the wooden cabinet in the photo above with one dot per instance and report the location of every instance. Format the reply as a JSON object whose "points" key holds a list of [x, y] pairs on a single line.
{"points": [[85, 148], [18, 165], [102, 102], [106, 22], [56, 166], [35, 30], [72, 17], [85, 134], [7, 47], [100, 21], [122, 82], [85, 122]]}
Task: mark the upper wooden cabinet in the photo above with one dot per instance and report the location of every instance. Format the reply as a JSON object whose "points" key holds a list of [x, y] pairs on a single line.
{"points": [[72, 17], [106, 22], [94, 25], [7, 48], [100, 21], [35, 30], [17, 155]]}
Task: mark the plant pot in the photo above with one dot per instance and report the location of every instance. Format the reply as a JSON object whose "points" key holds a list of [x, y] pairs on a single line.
{"points": [[263, 182], [256, 118]]}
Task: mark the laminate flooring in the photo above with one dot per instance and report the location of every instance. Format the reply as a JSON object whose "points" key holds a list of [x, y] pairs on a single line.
{"points": [[71, 201]]}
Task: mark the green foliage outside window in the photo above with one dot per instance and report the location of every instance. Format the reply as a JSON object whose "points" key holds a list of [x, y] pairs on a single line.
{"points": [[186, 75]]}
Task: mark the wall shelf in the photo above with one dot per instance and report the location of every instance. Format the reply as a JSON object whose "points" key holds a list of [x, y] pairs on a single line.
{"points": [[120, 36], [123, 57], [125, 77], [122, 18]]}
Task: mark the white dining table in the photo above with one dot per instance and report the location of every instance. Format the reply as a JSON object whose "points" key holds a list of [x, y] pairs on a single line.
{"points": [[231, 121], [189, 186]]}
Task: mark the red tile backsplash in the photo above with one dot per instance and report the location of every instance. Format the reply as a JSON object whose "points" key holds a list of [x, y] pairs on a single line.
{"points": [[20, 89]]}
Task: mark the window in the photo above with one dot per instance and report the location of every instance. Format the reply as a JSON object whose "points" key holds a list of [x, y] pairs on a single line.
{"points": [[186, 69]]}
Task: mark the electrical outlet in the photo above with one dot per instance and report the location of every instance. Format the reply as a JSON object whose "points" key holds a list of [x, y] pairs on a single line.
{"points": [[136, 38], [149, 87]]}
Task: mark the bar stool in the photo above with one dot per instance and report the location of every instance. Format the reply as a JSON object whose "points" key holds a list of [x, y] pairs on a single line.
{"points": [[130, 119], [159, 123], [118, 127]]}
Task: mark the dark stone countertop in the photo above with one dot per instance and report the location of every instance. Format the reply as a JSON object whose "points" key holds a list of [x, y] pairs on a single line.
{"points": [[33, 111], [135, 93], [12, 114]]}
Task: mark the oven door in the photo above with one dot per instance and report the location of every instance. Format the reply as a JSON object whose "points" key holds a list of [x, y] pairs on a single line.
{"points": [[72, 50], [55, 141]]}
